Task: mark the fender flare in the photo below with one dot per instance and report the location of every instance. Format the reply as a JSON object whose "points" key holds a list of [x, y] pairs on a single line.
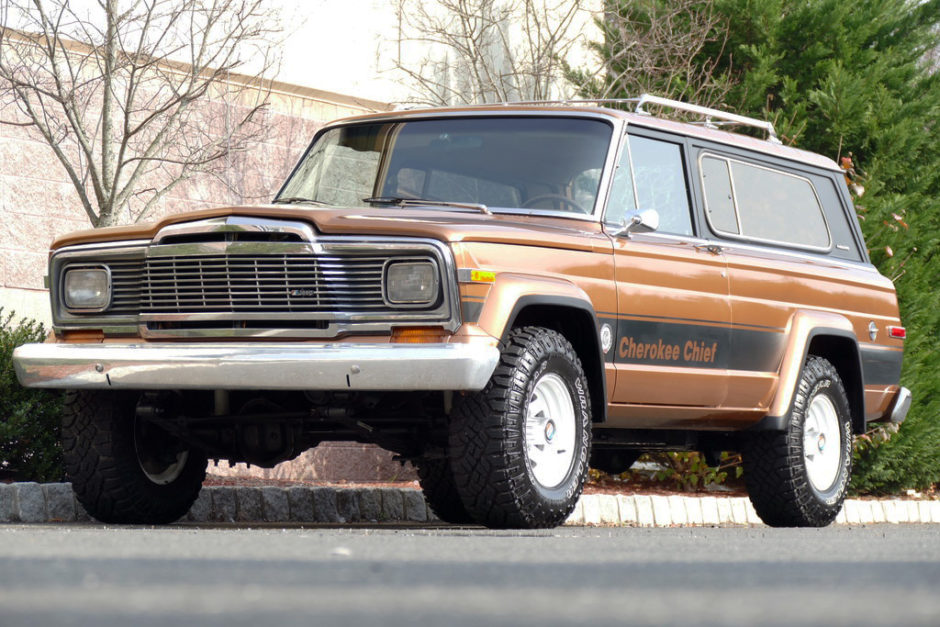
{"points": [[512, 293], [804, 327]]}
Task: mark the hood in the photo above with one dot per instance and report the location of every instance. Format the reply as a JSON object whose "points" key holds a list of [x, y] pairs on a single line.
{"points": [[440, 224]]}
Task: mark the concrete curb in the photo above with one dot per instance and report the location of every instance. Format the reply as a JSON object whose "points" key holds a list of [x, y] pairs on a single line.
{"points": [[55, 502]]}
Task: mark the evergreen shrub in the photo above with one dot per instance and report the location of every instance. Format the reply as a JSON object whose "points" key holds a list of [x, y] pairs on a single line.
{"points": [[29, 418]]}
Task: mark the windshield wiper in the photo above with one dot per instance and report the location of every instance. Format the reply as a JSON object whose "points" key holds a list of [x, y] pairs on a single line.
{"points": [[417, 202], [297, 200]]}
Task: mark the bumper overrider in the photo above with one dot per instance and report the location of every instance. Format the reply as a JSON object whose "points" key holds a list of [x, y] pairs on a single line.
{"points": [[233, 366]]}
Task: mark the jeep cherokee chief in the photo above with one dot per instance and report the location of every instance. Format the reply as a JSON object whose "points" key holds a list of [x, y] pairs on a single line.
{"points": [[502, 295]]}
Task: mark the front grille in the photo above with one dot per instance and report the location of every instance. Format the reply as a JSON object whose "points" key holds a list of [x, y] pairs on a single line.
{"points": [[325, 288], [127, 279], [288, 283]]}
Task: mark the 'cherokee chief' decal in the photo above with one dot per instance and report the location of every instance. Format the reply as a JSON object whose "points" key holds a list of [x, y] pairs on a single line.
{"points": [[716, 345]]}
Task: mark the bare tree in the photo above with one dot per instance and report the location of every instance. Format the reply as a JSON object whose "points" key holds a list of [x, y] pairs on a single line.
{"points": [[134, 96], [652, 46], [481, 51]]}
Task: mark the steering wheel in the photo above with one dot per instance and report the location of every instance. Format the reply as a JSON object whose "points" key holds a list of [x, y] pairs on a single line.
{"points": [[563, 199]]}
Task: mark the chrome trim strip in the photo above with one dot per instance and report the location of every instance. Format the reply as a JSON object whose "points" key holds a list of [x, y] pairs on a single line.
{"points": [[116, 244], [727, 246], [233, 366]]}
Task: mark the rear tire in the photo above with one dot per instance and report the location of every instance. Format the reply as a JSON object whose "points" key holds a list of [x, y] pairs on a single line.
{"points": [[519, 448], [799, 477], [122, 469]]}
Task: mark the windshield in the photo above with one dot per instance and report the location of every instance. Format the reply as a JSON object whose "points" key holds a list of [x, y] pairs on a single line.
{"points": [[545, 163]]}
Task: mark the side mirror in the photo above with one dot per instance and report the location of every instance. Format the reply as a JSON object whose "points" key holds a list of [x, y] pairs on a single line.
{"points": [[643, 221]]}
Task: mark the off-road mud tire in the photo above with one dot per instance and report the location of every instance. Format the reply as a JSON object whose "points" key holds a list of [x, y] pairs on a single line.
{"points": [[101, 462], [774, 466], [492, 472], [437, 483]]}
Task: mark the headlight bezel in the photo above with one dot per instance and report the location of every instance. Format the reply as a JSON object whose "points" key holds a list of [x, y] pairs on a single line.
{"points": [[396, 265], [107, 295]]}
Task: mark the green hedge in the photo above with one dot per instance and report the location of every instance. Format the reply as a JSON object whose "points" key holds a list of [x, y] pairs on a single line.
{"points": [[29, 418]]}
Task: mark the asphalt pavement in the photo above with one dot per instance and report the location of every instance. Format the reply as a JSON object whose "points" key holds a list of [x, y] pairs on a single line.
{"points": [[379, 575]]}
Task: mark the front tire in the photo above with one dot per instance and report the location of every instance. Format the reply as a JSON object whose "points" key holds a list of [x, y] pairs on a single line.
{"points": [[440, 492], [519, 448], [799, 477], [122, 469]]}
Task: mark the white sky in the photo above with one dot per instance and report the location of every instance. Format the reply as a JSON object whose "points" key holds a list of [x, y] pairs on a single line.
{"points": [[335, 45], [344, 46]]}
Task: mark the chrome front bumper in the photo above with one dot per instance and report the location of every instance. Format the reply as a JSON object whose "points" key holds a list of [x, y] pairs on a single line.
{"points": [[293, 366]]}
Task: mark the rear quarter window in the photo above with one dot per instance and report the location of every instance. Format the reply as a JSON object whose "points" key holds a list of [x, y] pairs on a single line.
{"points": [[747, 201]]}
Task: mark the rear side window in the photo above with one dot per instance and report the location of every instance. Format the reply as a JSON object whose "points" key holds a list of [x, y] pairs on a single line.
{"points": [[757, 203], [717, 184]]}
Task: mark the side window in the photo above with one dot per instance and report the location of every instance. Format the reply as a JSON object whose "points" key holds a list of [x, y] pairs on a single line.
{"points": [[719, 202], [843, 240], [621, 200], [660, 183], [762, 204]]}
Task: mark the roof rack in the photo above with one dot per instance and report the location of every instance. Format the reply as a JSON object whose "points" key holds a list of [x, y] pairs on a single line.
{"points": [[710, 115], [714, 118]]}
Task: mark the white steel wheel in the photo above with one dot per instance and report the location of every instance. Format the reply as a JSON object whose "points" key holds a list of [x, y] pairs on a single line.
{"points": [[519, 448], [822, 451], [798, 477], [550, 431]]}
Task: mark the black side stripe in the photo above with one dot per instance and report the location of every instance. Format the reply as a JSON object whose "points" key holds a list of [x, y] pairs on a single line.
{"points": [[665, 343]]}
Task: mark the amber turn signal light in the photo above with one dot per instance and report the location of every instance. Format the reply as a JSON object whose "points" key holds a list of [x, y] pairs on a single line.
{"points": [[418, 335]]}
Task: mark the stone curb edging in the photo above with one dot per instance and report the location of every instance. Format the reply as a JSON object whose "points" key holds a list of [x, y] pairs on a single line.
{"points": [[55, 502]]}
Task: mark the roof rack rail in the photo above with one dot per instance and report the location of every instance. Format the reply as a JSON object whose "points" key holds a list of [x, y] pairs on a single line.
{"points": [[710, 114], [714, 118]]}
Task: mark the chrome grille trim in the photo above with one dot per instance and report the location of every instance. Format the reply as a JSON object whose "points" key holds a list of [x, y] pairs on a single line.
{"points": [[277, 283], [326, 288]]}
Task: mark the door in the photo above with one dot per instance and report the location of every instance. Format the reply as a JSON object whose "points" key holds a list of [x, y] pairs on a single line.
{"points": [[673, 321]]}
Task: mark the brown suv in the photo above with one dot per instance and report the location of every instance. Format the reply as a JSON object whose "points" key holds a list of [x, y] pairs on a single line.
{"points": [[502, 295]]}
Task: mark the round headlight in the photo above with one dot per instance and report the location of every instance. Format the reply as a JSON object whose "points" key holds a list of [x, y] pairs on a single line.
{"points": [[87, 288], [411, 283]]}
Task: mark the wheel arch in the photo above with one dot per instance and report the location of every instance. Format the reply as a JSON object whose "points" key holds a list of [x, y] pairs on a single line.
{"points": [[841, 350], [575, 319], [524, 300], [825, 335]]}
